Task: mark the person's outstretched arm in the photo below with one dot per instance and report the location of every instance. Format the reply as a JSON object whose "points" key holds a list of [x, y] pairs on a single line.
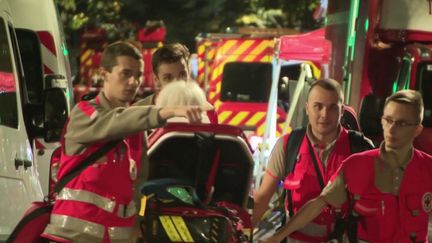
{"points": [[262, 197], [273, 174], [334, 194], [304, 216]]}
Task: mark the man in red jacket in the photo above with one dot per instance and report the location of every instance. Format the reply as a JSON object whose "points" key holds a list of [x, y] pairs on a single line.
{"points": [[98, 205], [330, 144], [389, 188]]}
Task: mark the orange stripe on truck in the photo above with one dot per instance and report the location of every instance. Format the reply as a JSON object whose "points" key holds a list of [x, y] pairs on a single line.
{"points": [[238, 119], [85, 56]]}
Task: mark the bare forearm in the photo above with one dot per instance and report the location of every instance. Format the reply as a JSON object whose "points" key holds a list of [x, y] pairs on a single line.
{"points": [[304, 216], [262, 197], [259, 209]]}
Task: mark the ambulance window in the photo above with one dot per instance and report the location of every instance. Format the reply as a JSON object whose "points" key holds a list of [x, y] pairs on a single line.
{"points": [[31, 59], [8, 97], [424, 83], [5, 61], [246, 82]]}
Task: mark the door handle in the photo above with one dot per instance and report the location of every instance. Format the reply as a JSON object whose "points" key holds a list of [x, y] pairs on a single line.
{"points": [[21, 162], [18, 163], [27, 163]]}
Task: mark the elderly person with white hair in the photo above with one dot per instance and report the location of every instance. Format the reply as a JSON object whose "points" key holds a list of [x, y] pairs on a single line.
{"points": [[186, 93]]}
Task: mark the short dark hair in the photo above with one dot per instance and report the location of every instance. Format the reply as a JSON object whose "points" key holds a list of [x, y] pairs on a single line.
{"points": [[409, 97], [169, 53], [328, 84], [116, 49]]}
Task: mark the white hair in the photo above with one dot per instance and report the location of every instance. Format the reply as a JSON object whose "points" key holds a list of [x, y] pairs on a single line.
{"points": [[180, 93], [183, 93]]}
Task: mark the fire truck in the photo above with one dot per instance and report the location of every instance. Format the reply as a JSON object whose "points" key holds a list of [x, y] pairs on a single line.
{"points": [[236, 71], [379, 47], [92, 43]]}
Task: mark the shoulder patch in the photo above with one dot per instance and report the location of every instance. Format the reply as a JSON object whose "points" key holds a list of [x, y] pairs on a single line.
{"points": [[427, 202], [87, 109]]}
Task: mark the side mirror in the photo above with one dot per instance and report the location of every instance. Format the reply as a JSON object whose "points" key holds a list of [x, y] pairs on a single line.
{"points": [[55, 113]]}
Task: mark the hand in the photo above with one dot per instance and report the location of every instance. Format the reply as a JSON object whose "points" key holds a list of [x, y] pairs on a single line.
{"points": [[192, 113]]}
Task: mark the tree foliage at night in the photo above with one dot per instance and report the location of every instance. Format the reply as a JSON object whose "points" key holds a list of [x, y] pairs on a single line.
{"points": [[184, 19]]}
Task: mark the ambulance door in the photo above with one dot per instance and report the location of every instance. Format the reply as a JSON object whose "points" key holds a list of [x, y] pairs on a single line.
{"points": [[19, 184]]}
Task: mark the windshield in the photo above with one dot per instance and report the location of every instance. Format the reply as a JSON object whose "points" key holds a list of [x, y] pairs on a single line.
{"points": [[251, 81]]}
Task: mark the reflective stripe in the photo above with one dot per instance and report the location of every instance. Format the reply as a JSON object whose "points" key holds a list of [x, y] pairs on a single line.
{"points": [[126, 211], [87, 197], [182, 228], [78, 225], [170, 229], [87, 227], [120, 233], [365, 209]]}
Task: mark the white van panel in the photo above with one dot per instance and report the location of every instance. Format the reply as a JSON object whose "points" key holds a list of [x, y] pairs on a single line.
{"points": [[19, 186], [45, 22]]}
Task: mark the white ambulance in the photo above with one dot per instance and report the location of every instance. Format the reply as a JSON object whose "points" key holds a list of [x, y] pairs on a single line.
{"points": [[35, 99], [39, 19]]}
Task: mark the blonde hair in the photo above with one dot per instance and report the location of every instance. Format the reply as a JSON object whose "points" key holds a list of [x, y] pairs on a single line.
{"points": [[179, 93], [409, 97]]}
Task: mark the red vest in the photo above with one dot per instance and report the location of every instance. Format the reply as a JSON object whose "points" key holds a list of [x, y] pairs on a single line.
{"points": [[101, 197], [303, 182], [385, 217]]}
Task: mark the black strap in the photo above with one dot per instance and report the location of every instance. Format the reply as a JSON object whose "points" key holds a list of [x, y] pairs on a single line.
{"points": [[291, 152], [315, 163], [292, 148], [28, 219], [358, 143], [206, 146], [91, 159]]}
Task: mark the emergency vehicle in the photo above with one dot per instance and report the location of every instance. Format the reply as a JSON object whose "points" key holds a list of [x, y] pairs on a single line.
{"points": [[43, 50], [35, 99], [92, 43], [236, 71], [379, 47]]}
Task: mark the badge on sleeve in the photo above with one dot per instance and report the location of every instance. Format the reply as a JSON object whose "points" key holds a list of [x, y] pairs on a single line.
{"points": [[427, 202], [133, 169]]}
